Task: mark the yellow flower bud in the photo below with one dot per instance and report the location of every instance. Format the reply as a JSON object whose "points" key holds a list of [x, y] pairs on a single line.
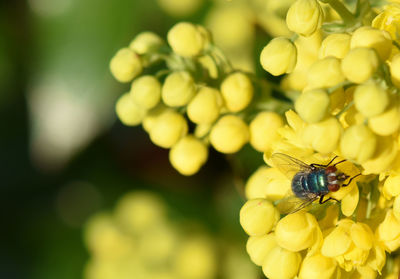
{"points": [[337, 100], [317, 267], [279, 56], [370, 99], [258, 217], [297, 231], [205, 106], [125, 65], [323, 136], [229, 134], [360, 64], [386, 123], [128, 111], [358, 143], [151, 116], [186, 39], [188, 155], [105, 240], [379, 40], [388, 232], [180, 8], [138, 212], [178, 89], [264, 130], [396, 208], [237, 91], [281, 264], [304, 17], [312, 106], [258, 247], [336, 45], [386, 152], [146, 91], [202, 130], [325, 73], [257, 183], [395, 70], [145, 42], [391, 187], [168, 128], [195, 259]]}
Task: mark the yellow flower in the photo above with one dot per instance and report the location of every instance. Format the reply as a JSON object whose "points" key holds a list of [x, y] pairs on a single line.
{"points": [[138, 212], [178, 89], [229, 134], [151, 116], [264, 130], [279, 56], [317, 267], [312, 106], [188, 155], [281, 264], [146, 91], [386, 152], [146, 42], [125, 65], [258, 247], [395, 70], [105, 240], [391, 187], [180, 8], [358, 143], [128, 111], [396, 208], [168, 128], [389, 20], [205, 107], [349, 243], [379, 40], [386, 123], [325, 73], [336, 45], [370, 99], [237, 91], [360, 64], [388, 232], [304, 17], [258, 217], [187, 39], [297, 231], [323, 136], [195, 259]]}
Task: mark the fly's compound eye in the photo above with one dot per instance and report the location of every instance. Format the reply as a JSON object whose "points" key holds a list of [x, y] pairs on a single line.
{"points": [[333, 187], [330, 169]]}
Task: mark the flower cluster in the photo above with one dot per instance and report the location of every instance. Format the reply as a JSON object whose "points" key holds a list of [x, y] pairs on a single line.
{"points": [[344, 77], [139, 240], [196, 99]]}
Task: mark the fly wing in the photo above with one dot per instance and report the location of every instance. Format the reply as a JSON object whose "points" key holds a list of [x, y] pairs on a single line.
{"points": [[289, 165], [293, 204]]}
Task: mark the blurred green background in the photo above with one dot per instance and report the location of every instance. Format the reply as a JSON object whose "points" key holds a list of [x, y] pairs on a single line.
{"points": [[64, 156]]}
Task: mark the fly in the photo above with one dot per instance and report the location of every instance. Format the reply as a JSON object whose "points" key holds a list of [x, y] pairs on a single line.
{"points": [[311, 182]]}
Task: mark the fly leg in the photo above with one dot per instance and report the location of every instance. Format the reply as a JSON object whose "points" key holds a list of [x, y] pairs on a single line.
{"points": [[346, 184], [321, 201], [324, 166]]}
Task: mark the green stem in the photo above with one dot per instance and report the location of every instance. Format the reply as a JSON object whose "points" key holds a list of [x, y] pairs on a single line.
{"points": [[345, 14]]}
